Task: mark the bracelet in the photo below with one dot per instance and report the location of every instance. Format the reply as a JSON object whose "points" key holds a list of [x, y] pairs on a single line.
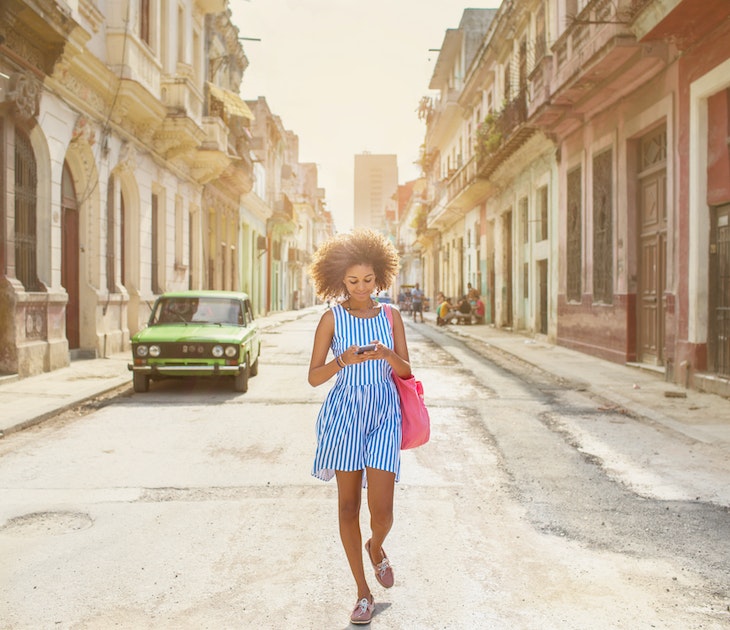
{"points": [[340, 361]]}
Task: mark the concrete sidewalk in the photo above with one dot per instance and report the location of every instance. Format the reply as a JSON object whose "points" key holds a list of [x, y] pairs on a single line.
{"points": [[28, 401], [640, 391]]}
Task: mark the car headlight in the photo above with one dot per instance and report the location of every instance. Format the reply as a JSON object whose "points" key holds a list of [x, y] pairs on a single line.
{"points": [[217, 351], [231, 351], [141, 351], [154, 351]]}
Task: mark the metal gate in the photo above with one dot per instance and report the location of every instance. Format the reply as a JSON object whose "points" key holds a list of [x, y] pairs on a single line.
{"points": [[719, 350]]}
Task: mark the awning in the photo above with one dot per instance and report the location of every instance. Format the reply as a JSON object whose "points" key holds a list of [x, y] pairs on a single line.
{"points": [[233, 104]]}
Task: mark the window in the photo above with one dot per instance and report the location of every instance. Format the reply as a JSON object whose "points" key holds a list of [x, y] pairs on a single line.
{"points": [[110, 236], [144, 21], [181, 32], [179, 232], [197, 55], [525, 220], [542, 212], [603, 227], [575, 225], [507, 82], [540, 34], [122, 239], [525, 280], [155, 245], [26, 185]]}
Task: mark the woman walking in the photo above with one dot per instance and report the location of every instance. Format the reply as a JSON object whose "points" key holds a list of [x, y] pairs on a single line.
{"points": [[359, 424]]}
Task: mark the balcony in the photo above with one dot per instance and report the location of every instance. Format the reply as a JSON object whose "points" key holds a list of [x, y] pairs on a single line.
{"points": [[210, 6], [238, 176], [298, 256], [180, 94], [684, 21], [595, 62], [216, 134], [444, 119], [501, 135]]}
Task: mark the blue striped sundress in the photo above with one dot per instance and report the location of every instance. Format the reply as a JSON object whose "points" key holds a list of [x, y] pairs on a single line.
{"points": [[359, 424]]}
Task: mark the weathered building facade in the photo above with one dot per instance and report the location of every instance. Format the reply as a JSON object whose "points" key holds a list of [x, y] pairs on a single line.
{"points": [[126, 170], [598, 188]]}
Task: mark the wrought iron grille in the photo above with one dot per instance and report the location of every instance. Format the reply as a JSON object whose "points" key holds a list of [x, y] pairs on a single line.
{"points": [[722, 310], [574, 250], [26, 184], [603, 227]]}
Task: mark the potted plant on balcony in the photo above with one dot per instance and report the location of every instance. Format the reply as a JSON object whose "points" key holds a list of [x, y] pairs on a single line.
{"points": [[489, 137]]}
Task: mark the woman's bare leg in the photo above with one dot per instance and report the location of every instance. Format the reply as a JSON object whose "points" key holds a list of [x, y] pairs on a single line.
{"points": [[349, 496], [381, 487]]}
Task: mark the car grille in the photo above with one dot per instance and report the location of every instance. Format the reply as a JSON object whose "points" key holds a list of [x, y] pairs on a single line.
{"points": [[186, 350]]}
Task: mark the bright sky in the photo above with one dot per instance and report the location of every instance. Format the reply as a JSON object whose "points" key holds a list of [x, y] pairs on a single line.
{"points": [[346, 76]]}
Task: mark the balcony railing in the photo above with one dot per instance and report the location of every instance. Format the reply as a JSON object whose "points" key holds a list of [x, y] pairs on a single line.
{"points": [[461, 179], [500, 135], [181, 96], [593, 28]]}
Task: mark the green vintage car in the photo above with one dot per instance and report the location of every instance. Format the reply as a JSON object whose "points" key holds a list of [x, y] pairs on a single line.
{"points": [[197, 333]]}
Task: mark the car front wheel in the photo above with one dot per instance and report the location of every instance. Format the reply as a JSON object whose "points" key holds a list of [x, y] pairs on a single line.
{"points": [[240, 380]]}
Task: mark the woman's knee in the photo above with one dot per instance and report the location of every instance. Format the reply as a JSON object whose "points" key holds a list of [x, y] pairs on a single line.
{"points": [[381, 518], [349, 509]]}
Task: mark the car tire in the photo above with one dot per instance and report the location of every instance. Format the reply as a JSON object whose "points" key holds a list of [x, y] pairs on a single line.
{"points": [[255, 367], [240, 380], [141, 383]]}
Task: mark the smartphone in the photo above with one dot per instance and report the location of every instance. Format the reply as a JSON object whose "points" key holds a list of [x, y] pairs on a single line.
{"points": [[368, 348]]}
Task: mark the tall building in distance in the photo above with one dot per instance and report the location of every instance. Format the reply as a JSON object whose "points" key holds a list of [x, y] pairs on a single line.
{"points": [[376, 183]]}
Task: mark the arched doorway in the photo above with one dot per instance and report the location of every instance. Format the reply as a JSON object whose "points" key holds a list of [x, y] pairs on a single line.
{"points": [[70, 256]]}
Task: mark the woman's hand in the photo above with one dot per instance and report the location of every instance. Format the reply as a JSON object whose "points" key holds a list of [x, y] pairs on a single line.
{"points": [[380, 352]]}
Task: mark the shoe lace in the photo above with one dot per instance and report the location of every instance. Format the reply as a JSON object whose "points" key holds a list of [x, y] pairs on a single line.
{"points": [[363, 605], [383, 567]]}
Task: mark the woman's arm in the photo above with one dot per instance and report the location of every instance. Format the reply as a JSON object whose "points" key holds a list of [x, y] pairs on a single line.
{"points": [[399, 359], [320, 371]]}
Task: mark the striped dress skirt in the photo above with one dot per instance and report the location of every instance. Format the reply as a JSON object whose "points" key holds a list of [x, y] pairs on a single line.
{"points": [[359, 424]]}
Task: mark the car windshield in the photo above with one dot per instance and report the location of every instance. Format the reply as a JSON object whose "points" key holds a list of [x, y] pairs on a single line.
{"points": [[197, 310]]}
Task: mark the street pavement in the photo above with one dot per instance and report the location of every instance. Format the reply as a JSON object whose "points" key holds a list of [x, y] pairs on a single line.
{"points": [[29, 401], [641, 392]]}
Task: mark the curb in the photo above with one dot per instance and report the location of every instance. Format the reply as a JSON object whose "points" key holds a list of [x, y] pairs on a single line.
{"points": [[123, 384]]}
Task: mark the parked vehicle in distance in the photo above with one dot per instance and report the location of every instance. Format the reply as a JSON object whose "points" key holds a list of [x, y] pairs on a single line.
{"points": [[197, 333]]}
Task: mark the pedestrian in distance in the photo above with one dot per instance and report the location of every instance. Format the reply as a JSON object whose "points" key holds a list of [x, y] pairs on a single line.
{"points": [[359, 424], [445, 311], [417, 302]]}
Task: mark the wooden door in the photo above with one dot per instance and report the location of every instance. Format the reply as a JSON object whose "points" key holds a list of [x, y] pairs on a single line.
{"points": [[652, 248], [70, 257]]}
